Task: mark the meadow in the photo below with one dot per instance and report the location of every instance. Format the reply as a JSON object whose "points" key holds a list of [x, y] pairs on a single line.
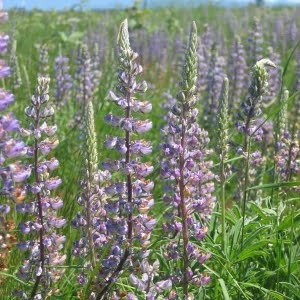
{"points": [[150, 154]]}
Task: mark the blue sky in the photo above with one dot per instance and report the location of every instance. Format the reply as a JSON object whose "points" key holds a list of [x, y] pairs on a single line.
{"points": [[60, 4]]}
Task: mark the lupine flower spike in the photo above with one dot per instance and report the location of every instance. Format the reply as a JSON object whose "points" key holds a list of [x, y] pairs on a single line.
{"points": [[188, 176], [41, 241], [251, 110], [287, 158], [12, 173], [63, 81], [128, 225]]}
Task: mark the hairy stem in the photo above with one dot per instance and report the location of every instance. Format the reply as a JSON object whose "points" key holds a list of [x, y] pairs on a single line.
{"points": [[40, 208]]}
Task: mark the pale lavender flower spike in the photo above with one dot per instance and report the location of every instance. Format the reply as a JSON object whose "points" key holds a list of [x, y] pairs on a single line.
{"points": [[129, 199], [189, 180], [44, 245]]}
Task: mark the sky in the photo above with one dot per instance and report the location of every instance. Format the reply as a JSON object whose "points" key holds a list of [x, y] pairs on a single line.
{"points": [[107, 4]]}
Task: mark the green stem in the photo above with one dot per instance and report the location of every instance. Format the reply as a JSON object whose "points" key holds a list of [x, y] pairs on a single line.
{"points": [[247, 147], [223, 202]]}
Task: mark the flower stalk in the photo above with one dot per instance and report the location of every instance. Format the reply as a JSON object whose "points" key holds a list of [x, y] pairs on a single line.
{"points": [[222, 123]]}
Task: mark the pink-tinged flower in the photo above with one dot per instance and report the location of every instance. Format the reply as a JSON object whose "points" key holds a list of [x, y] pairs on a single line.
{"points": [[57, 222], [143, 126], [3, 16], [52, 164], [14, 148], [163, 285], [48, 130], [25, 132], [20, 173], [59, 239], [36, 187], [142, 147], [144, 169], [56, 203], [53, 183], [46, 146]]}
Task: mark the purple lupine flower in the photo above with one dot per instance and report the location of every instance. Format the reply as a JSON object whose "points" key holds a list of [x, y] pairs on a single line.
{"points": [[95, 68], [255, 43], [83, 78], [188, 174], [287, 158], [237, 74], [12, 174], [204, 57], [203, 64], [129, 198], [213, 87], [250, 126], [146, 284], [295, 124], [63, 81], [44, 244], [274, 77]]}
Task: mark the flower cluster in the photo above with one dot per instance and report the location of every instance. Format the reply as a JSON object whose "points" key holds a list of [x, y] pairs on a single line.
{"points": [[214, 79], [188, 176], [12, 173], [287, 158], [146, 284], [251, 106], [274, 77], [95, 68], [41, 242], [250, 122], [237, 74], [128, 224], [84, 84], [255, 43], [63, 81]]}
